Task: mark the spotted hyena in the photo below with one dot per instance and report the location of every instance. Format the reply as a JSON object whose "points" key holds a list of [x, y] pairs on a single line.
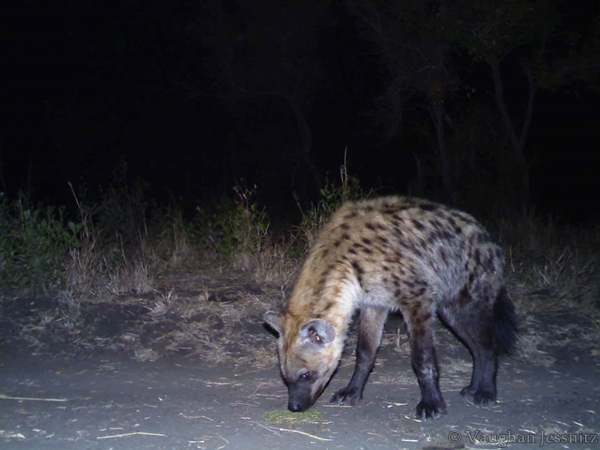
{"points": [[395, 253]]}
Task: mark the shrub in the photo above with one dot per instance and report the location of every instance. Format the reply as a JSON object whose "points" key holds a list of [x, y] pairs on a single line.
{"points": [[34, 241]]}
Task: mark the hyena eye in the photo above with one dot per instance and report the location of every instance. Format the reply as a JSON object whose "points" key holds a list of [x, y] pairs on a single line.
{"points": [[304, 376]]}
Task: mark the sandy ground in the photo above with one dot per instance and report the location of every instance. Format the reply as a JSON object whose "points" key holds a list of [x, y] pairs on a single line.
{"points": [[113, 402], [195, 368]]}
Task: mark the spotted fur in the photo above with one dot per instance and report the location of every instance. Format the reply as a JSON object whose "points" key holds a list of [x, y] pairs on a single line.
{"points": [[395, 253]]}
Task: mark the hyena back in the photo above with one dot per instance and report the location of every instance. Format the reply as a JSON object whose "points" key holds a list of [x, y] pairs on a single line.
{"points": [[386, 254]]}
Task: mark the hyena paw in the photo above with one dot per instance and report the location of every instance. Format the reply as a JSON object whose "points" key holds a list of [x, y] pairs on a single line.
{"points": [[432, 409], [347, 396], [480, 396]]}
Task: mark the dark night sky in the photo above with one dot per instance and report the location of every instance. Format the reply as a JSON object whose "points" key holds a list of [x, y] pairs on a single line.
{"points": [[84, 83]]}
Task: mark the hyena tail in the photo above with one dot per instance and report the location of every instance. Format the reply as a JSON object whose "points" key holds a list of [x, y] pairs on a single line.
{"points": [[505, 323]]}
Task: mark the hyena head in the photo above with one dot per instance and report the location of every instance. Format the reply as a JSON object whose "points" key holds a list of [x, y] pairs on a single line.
{"points": [[308, 356]]}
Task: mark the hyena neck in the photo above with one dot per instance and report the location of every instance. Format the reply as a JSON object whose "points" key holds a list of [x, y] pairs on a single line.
{"points": [[335, 302]]}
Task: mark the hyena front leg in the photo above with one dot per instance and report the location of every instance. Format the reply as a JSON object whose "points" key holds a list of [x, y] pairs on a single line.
{"points": [[424, 362], [369, 338]]}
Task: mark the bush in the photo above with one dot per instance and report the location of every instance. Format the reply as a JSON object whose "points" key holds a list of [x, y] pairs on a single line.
{"points": [[34, 241]]}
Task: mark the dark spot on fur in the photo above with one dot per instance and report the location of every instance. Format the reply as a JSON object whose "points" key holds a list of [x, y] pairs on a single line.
{"points": [[418, 225], [366, 250], [337, 243], [443, 255], [464, 298], [418, 292], [330, 304], [467, 264], [369, 208], [383, 240], [437, 224], [328, 268], [452, 222], [319, 284], [346, 236], [471, 278], [489, 263], [477, 257], [351, 215], [345, 226], [428, 206], [352, 251], [442, 235], [457, 230], [432, 237], [447, 236], [385, 268], [367, 241], [370, 226], [357, 267]]}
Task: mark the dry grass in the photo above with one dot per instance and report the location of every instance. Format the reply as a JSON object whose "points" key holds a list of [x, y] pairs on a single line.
{"points": [[553, 278], [549, 268], [163, 294]]}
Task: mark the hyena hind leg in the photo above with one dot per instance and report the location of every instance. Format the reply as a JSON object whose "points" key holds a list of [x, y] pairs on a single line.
{"points": [[477, 336], [487, 334]]}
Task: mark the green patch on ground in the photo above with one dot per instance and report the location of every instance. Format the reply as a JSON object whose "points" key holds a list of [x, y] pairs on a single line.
{"points": [[288, 417]]}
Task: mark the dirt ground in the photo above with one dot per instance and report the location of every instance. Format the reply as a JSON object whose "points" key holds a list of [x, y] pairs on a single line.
{"points": [[193, 367]]}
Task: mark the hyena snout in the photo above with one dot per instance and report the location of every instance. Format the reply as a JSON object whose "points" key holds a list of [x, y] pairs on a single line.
{"points": [[299, 399]]}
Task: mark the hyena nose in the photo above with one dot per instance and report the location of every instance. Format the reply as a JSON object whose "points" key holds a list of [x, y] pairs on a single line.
{"points": [[295, 406]]}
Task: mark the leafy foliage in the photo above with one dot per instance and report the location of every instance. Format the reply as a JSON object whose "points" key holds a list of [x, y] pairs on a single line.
{"points": [[34, 241], [235, 225], [332, 197]]}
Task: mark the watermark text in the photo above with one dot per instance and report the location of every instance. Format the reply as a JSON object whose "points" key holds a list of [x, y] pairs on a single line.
{"points": [[540, 438]]}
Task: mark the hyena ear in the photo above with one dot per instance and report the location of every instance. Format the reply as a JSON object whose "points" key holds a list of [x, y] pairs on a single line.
{"points": [[274, 321], [317, 331]]}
